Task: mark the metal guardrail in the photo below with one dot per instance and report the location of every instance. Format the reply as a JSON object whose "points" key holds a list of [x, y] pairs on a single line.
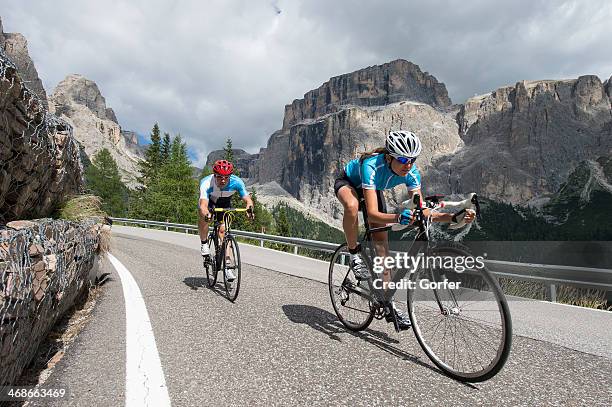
{"points": [[550, 275]]}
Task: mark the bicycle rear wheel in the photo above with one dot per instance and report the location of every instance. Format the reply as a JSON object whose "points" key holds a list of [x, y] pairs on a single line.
{"points": [[211, 263], [465, 331], [349, 297], [231, 263]]}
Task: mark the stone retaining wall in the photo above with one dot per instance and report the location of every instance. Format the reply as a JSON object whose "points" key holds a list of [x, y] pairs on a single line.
{"points": [[44, 266]]}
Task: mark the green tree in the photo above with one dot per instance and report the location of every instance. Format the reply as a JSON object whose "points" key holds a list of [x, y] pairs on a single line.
{"points": [[263, 218], [229, 154], [150, 165], [173, 193], [165, 148], [283, 228], [102, 179], [206, 171]]}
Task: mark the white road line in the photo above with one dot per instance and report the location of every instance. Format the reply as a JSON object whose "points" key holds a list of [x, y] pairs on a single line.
{"points": [[145, 384]]}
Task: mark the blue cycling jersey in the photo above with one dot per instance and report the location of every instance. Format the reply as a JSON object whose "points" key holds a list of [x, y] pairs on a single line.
{"points": [[210, 190], [375, 173]]}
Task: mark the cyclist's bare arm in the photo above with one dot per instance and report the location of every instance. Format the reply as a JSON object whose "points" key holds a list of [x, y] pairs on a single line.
{"points": [[374, 215], [204, 213], [436, 216], [249, 205]]}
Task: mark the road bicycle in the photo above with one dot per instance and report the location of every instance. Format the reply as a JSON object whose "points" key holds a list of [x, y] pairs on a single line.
{"points": [[224, 255], [465, 328]]}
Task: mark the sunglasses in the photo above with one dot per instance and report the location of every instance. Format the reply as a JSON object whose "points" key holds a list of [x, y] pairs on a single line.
{"points": [[405, 160], [222, 177]]}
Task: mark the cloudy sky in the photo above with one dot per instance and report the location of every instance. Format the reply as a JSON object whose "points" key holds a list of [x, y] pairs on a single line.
{"points": [[213, 69]]}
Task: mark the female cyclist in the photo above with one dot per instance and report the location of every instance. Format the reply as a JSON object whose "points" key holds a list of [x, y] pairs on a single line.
{"points": [[366, 177]]}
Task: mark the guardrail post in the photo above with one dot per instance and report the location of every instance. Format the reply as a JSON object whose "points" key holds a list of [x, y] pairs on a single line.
{"points": [[553, 292], [295, 249], [260, 242], [186, 231], [167, 221]]}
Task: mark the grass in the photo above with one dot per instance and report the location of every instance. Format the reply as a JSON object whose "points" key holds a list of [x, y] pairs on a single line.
{"points": [[566, 294], [81, 207]]}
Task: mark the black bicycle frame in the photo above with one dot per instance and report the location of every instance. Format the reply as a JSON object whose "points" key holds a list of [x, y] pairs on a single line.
{"points": [[422, 236]]}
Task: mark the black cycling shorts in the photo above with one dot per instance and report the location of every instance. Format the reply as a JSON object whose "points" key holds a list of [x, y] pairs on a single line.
{"points": [[223, 203], [343, 180]]}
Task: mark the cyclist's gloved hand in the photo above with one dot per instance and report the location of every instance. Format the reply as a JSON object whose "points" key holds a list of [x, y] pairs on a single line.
{"points": [[405, 217], [250, 212]]}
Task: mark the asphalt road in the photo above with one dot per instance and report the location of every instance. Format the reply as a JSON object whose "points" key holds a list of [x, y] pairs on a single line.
{"points": [[281, 344]]}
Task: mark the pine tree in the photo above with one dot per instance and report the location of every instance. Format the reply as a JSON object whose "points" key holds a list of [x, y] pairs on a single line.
{"points": [[173, 193], [102, 179], [263, 218], [150, 166], [282, 223], [229, 155], [206, 171], [165, 148]]}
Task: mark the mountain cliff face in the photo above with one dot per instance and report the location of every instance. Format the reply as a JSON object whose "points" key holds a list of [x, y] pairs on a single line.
{"points": [[242, 160], [16, 48], [79, 101], [322, 133], [522, 141], [517, 144], [374, 86]]}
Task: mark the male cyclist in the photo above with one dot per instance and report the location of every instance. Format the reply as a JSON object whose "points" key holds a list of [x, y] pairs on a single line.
{"points": [[216, 191], [366, 177]]}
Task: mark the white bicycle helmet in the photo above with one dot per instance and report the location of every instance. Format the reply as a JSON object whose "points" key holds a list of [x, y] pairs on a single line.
{"points": [[403, 144]]}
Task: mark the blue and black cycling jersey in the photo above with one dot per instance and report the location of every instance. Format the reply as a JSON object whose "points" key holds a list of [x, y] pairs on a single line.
{"points": [[218, 197], [375, 173]]}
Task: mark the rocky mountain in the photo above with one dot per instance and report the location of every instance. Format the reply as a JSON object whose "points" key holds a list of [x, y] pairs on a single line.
{"points": [[131, 143], [584, 201], [521, 142], [377, 85], [242, 160], [317, 139], [517, 144], [16, 48], [79, 101]]}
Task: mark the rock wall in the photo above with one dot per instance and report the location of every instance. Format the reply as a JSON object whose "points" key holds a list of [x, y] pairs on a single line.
{"points": [[242, 160], [78, 100], [516, 144], [374, 86], [44, 266], [131, 143], [39, 158], [522, 141], [76, 89], [305, 159]]}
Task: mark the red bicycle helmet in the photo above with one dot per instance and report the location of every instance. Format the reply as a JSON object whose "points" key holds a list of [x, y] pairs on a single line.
{"points": [[223, 167]]}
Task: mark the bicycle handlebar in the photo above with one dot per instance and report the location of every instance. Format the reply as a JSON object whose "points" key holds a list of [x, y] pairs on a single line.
{"points": [[435, 202], [232, 210]]}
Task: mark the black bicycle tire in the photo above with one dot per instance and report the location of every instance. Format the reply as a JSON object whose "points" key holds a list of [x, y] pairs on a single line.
{"points": [[212, 267], [238, 269], [507, 321], [351, 327]]}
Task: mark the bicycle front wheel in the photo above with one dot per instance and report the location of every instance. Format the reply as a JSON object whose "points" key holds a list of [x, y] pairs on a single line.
{"points": [[210, 263], [465, 328], [349, 297], [231, 267]]}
